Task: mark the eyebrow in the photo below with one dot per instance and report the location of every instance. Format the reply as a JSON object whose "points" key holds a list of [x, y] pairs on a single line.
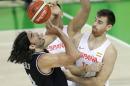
{"points": [[100, 21]]}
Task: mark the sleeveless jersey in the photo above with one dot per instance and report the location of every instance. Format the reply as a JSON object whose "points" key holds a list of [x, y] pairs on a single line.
{"points": [[90, 56], [55, 78], [57, 45]]}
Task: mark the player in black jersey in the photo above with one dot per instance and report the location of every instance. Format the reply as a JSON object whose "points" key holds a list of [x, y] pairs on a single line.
{"points": [[42, 67]]}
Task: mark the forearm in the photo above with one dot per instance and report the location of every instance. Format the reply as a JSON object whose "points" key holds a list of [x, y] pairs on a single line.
{"points": [[80, 80], [85, 4], [70, 48], [49, 39], [84, 12], [76, 70], [80, 19], [93, 81]]}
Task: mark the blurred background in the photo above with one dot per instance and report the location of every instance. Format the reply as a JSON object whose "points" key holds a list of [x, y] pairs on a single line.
{"points": [[13, 19], [13, 15]]}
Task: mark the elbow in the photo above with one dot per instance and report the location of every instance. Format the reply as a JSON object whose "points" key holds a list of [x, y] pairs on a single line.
{"points": [[100, 82], [97, 82]]}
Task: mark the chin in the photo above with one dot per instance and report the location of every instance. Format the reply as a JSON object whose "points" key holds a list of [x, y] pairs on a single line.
{"points": [[95, 35]]}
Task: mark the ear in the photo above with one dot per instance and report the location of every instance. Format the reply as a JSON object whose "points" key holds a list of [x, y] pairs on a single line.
{"points": [[109, 27], [32, 47]]}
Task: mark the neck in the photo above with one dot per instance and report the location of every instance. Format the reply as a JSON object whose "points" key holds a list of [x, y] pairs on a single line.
{"points": [[100, 38]]}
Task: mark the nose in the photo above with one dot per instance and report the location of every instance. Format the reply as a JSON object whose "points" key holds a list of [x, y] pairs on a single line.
{"points": [[41, 35], [95, 23]]}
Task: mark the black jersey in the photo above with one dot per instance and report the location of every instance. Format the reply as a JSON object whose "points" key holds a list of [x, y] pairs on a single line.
{"points": [[55, 78]]}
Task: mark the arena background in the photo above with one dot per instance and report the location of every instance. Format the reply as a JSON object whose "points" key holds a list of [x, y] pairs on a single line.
{"points": [[13, 19]]}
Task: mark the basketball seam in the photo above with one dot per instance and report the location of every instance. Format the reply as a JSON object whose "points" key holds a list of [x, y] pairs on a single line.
{"points": [[35, 15], [46, 16]]}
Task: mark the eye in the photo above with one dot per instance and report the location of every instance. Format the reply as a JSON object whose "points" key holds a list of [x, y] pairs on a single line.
{"points": [[100, 22]]}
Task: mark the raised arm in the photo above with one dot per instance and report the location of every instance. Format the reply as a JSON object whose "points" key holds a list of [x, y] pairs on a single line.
{"points": [[61, 59], [80, 19]]}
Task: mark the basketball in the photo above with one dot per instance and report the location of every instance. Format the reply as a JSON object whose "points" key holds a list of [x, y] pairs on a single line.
{"points": [[38, 12]]}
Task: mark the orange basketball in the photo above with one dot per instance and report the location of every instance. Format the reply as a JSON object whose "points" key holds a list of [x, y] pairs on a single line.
{"points": [[39, 12]]}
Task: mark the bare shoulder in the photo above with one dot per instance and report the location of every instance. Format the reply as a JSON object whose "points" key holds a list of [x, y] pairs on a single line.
{"points": [[111, 49], [111, 53]]}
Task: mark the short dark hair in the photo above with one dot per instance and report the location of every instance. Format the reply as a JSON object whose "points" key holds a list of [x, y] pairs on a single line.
{"points": [[109, 14], [20, 51]]}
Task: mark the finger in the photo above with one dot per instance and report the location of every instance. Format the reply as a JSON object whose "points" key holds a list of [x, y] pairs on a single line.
{"points": [[49, 25]]}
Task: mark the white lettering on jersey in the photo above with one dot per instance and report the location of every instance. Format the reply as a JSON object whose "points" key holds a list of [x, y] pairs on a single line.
{"points": [[55, 46], [88, 57], [26, 65]]}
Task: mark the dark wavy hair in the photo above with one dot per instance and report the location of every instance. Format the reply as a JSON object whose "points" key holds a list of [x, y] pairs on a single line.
{"points": [[109, 14], [20, 51]]}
